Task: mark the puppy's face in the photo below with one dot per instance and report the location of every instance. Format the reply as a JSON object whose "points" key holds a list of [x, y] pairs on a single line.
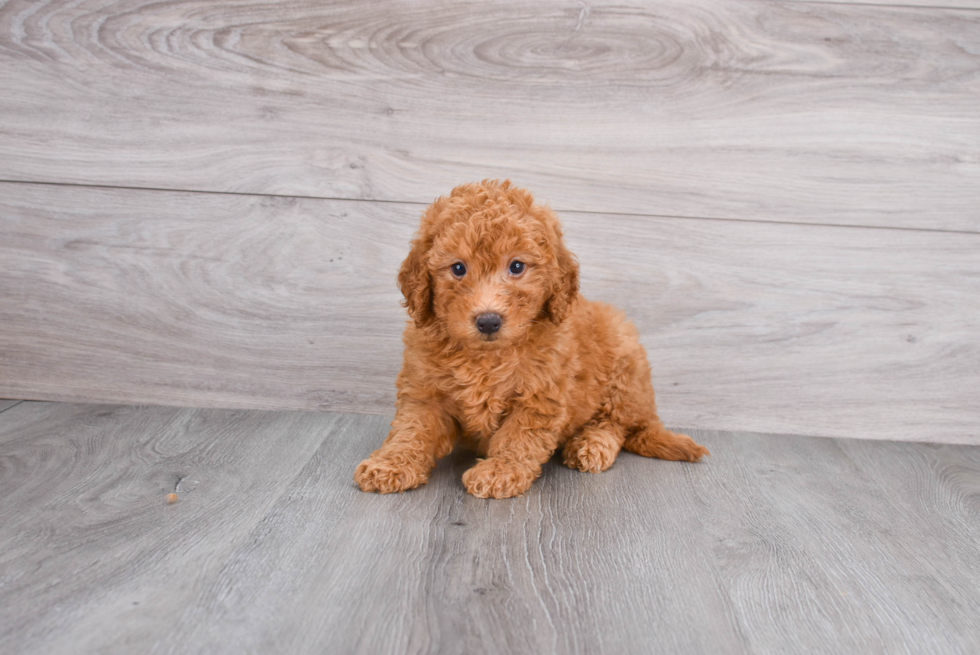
{"points": [[487, 266], [490, 277]]}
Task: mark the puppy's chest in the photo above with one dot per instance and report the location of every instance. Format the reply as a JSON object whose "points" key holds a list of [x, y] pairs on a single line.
{"points": [[481, 403]]}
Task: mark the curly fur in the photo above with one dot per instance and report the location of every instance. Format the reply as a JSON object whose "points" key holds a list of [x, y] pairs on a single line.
{"points": [[561, 372]]}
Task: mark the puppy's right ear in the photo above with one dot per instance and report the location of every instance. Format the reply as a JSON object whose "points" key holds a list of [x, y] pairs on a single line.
{"points": [[415, 281]]}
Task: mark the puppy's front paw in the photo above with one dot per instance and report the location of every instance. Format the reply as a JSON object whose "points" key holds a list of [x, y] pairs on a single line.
{"points": [[590, 456], [497, 478], [386, 474]]}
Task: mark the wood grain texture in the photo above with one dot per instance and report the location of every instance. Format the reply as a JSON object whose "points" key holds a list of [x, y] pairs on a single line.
{"points": [[89, 545], [816, 555], [200, 299], [915, 4], [243, 301], [775, 544], [782, 111]]}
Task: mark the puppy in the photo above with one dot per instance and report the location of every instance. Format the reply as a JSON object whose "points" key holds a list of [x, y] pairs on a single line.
{"points": [[502, 352]]}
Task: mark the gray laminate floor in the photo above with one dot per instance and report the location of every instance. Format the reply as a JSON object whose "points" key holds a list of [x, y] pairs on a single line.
{"points": [[775, 544]]}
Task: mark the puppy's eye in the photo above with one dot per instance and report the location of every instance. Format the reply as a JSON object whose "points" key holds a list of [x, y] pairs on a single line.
{"points": [[517, 268], [458, 269]]}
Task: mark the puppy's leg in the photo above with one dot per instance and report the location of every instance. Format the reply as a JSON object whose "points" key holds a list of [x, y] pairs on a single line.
{"points": [[634, 405], [648, 436], [420, 434], [654, 440], [515, 455], [505, 474], [595, 448]]}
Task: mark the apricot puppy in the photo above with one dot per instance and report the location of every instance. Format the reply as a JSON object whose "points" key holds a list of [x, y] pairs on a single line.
{"points": [[504, 353]]}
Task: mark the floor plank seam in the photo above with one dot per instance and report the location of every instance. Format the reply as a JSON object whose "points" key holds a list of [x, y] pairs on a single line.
{"points": [[19, 402]]}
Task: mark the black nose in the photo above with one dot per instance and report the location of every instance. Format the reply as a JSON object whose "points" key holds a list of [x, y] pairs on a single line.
{"points": [[488, 323]]}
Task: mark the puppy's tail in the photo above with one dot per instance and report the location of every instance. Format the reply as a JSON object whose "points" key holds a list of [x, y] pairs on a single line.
{"points": [[657, 441]]}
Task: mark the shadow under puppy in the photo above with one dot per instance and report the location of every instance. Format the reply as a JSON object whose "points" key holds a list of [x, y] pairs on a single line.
{"points": [[505, 354]]}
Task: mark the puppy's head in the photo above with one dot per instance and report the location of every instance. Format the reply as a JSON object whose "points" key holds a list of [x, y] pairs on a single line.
{"points": [[487, 265]]}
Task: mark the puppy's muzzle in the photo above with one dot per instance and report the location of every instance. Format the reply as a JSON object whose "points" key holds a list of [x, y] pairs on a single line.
{"points": [[488, 323]]}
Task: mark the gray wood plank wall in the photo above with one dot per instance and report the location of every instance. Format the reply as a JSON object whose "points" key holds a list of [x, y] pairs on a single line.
{"points": [[783, 195], [777, 111], [291, 303]]}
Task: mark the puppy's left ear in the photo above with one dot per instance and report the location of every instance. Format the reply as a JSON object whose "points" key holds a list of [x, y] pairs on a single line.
{"points": [[564, 285]]}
